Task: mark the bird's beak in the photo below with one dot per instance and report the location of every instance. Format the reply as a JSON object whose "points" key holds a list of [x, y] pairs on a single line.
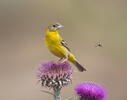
{"points": [[60, 26]]}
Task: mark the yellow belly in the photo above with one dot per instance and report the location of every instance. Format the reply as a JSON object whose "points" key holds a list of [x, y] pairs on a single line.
{"points": [[58, 51], [56, 48]]}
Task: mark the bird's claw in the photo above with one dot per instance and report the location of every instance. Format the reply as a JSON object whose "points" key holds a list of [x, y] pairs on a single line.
{"points": [[62, 60]]}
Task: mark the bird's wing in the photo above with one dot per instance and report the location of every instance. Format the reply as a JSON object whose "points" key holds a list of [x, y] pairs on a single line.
{"points": [[65, 45]]}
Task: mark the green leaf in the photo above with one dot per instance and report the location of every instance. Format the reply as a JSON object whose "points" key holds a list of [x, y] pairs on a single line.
{"points": [[47, 92], [69, 98]]}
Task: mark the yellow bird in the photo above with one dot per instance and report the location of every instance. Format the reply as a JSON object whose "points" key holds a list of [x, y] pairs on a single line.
{"points": [[58, 46]]}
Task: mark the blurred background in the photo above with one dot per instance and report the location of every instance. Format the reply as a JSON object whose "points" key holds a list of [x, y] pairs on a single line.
{"points": [[86, 22]]}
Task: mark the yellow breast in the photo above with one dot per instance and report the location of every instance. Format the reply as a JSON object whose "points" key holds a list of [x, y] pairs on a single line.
{"points": [[53, 43]]}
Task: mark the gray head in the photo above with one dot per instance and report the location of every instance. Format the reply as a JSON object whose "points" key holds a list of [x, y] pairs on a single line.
{"points": [[54, 27]]}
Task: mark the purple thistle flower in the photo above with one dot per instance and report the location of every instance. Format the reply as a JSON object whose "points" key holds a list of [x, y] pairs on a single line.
{"points": [[54, 74], [90, 91]]}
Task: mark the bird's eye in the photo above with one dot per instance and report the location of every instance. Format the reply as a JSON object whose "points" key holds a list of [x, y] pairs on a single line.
{"points": [[54, 26]]}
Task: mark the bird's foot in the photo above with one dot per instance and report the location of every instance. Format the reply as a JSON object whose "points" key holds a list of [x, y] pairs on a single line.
{"points": [[60, 59], [64, 60]]}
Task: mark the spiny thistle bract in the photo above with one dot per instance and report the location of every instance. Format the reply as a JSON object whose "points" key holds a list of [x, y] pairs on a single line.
{"points": [[55, 74], [90, 91]]}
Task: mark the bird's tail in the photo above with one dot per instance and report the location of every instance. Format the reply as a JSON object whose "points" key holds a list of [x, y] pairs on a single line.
{"points": [[79, 66], [76, 63]]}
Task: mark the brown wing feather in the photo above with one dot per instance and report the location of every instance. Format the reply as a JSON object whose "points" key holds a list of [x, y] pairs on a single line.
{"points": [[65, 45]]}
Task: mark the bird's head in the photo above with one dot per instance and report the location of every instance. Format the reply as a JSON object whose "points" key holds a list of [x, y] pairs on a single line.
{"points": [[54, 27]]}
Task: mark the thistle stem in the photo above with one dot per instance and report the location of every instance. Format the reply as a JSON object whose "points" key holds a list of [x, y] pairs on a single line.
{"points": [[57, 94]]}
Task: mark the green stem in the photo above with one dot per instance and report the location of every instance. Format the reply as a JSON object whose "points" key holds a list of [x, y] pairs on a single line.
{"points": [[57, 94]]}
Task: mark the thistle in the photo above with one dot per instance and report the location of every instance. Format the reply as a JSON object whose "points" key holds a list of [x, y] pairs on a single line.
{"points": [[55, 75], [90, 91]]}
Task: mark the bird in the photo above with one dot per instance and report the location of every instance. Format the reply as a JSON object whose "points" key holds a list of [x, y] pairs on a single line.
{"points": [[57, 46]]}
